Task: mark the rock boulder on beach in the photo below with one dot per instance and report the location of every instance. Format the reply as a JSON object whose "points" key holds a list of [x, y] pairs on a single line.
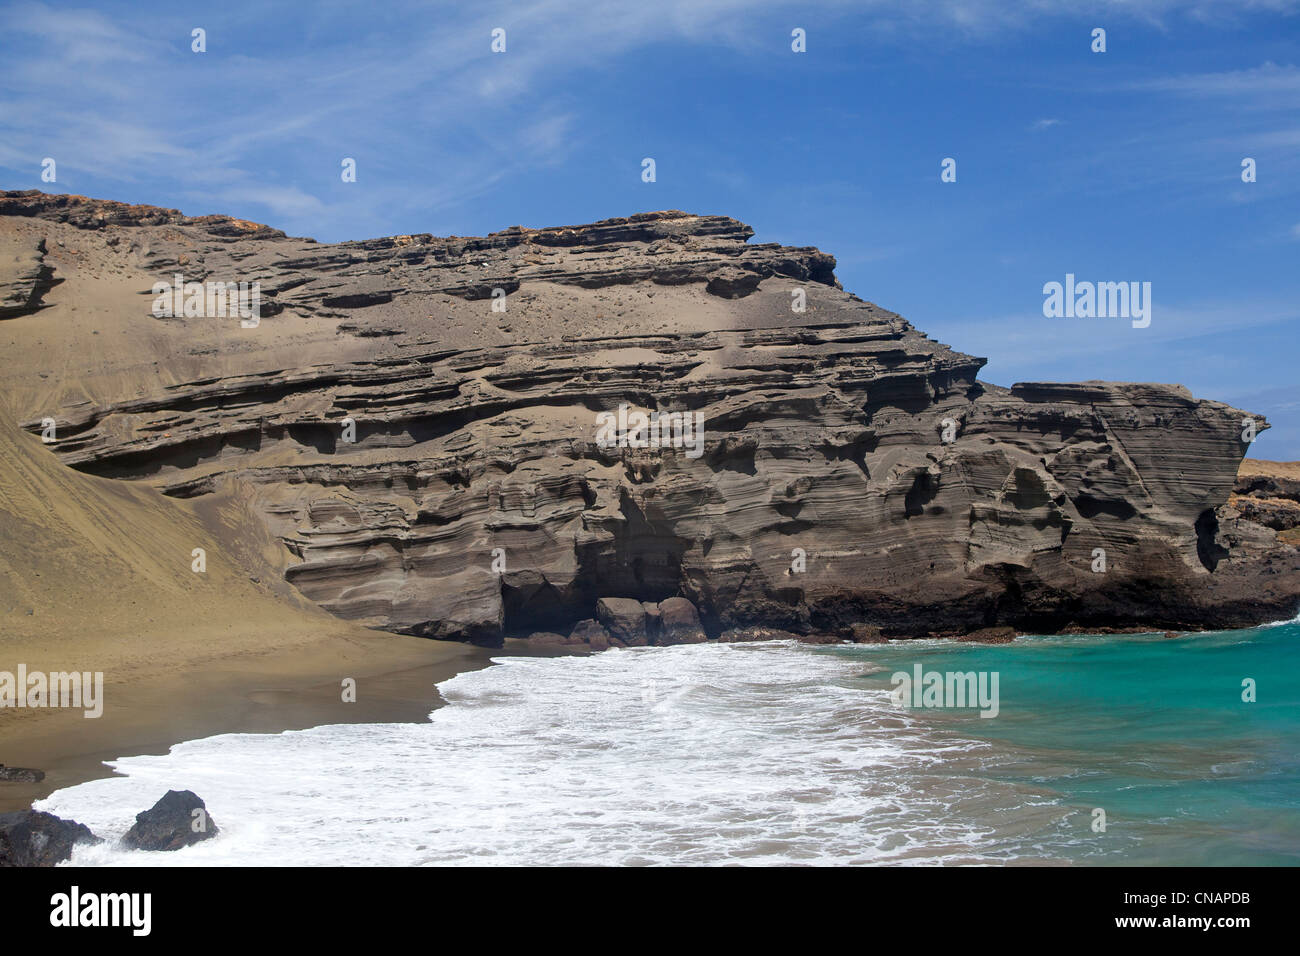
{"points": [[34, 838], [178, 819]]}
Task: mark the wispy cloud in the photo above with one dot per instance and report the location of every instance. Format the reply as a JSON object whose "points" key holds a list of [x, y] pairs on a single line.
{"points": [[1026, 341], [137, 105], [123, 104], [286, 202], [1268, 78], [551, 138], [75, 36], [1261, 90]]}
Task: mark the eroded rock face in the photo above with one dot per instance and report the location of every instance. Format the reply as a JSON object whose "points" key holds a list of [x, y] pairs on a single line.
{"points": [[851, 469], [1272, 500], [24, 277]]}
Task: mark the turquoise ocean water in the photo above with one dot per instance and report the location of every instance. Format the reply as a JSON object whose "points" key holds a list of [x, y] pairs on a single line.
{"points": [[1152, 730]]}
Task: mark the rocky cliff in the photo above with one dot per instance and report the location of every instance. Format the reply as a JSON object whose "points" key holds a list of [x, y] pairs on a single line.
{"points": [[418, 420], [1268, 493]]}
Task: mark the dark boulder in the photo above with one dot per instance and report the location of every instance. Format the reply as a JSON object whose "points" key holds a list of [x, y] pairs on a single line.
{"points": [[546, 639], [171, 823], [866, 634], [817, 637], [590, 633], [680, 622], [624, 618], [992, 635], [737, 635], [33, 838], [20, 774]]}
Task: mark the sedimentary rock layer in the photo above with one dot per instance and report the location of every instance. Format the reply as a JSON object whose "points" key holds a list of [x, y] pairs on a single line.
{"points": [[432, 464]]}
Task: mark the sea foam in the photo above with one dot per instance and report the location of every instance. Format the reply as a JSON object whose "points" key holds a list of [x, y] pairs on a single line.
{"points": [[759, 754]]}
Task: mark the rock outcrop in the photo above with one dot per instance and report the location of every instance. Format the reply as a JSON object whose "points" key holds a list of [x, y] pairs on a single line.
{"points": [[625, 621], [25, 277], [34, 838], [590, 633], [179, 819], [1268, 493], [679, 623], [435, 465]]}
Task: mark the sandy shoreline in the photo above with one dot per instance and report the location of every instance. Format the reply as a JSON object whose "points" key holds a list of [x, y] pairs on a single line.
{"points": [[283, 689]]}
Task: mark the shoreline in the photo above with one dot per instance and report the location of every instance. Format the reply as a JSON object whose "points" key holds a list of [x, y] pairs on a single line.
{"points": [[282, 689], [272, 692]]}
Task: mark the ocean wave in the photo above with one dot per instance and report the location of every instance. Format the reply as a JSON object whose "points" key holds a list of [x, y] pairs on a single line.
{"points": [[1294, 620], [754, 754]]}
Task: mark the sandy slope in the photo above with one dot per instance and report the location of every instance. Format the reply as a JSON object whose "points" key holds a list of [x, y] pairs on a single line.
{"points": [[95, 575]]}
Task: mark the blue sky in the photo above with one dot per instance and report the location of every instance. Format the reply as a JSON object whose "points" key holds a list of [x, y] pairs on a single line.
{"points": [[1115, 166]]}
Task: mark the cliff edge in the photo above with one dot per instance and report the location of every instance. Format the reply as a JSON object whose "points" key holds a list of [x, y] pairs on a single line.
{"points": [[417, 421]]}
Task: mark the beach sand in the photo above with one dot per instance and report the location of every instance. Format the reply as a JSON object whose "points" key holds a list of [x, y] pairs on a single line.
{"points": [[269, 692]]}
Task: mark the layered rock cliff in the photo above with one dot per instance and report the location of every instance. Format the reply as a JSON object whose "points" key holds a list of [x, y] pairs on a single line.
{"points": [[417, 419]]}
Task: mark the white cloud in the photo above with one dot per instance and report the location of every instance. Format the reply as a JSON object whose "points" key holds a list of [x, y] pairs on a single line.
{"points": [[1267, 78]]}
